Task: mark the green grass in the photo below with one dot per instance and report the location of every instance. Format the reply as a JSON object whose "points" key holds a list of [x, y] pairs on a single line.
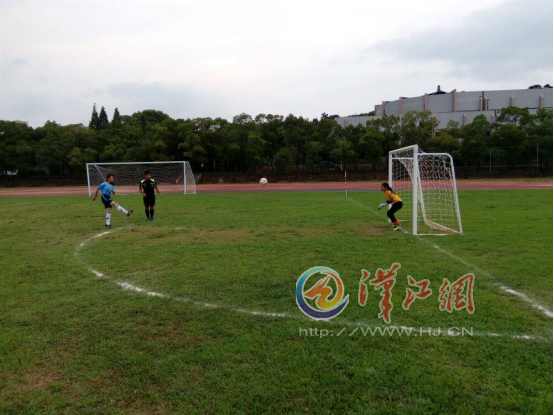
{"points": [[70, 342]]}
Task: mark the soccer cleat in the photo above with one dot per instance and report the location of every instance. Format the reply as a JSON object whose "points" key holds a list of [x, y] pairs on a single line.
{"points": [[108, 226], [129, 212]]}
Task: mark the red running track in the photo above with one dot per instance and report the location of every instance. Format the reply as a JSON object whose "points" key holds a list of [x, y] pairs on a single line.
{"points": [[477, 184]]}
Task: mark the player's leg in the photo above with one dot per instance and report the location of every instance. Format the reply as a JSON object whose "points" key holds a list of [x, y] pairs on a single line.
{"points": [[122, 209], [107, 212], [152, 204], [108, 217], [390, 213], [146, 207]]}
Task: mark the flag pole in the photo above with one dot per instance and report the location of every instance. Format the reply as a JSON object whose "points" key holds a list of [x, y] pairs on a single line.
{"points": [[345, 188]]}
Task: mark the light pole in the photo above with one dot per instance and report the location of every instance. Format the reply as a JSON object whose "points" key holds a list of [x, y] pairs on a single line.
{"points": [[537, 158]]}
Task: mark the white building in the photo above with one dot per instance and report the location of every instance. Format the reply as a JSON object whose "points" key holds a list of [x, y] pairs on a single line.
{"points": [[461, 107], [353, 120]]}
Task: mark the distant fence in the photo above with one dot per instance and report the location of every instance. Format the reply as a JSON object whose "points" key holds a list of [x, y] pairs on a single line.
{"points": [[293, 174]]}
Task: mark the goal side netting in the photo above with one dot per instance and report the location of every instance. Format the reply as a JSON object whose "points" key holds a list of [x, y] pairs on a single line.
{"points": [[426, 183], [171, 176]]}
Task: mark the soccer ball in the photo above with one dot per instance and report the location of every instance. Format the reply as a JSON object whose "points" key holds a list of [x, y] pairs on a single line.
{"points": [[263, 180]]}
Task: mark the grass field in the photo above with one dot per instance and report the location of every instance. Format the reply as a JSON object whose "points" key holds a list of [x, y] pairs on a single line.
{"points": [[72, 342]]}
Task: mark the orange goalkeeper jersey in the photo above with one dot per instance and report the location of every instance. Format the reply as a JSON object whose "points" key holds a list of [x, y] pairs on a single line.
{"points": [[392, 197]]}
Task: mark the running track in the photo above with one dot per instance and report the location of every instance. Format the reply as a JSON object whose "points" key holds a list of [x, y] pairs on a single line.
{"points": [[276, 187]]}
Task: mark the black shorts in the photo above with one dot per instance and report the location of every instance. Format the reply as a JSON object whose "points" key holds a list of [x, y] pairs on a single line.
{"points": [[396, 206], [107, 202], [149, 200]]}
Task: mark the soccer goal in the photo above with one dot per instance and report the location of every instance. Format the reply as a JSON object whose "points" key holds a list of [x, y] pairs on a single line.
{"points": [[426, 183], [172, 176]]}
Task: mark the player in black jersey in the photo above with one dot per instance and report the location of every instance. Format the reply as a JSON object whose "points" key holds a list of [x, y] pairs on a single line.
{"points": [[148, 187]]}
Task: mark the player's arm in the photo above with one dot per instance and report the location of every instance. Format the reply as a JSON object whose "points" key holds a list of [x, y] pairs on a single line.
{"points": [[140, 188], [95, 195], [385, 203], [156, 187]]}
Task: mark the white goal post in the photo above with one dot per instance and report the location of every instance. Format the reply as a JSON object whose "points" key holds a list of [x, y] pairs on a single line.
{"points": [[172, 176], [426, 183]]}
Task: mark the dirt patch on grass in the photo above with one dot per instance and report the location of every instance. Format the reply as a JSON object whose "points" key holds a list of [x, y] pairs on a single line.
{"points": [[300, 232], [39, 379], [370, 230], [146, 235], [154, 236], [225, 235], [171, 333], [148, 410]]}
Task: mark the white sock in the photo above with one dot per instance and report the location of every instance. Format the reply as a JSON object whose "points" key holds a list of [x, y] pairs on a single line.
{"points": [[122, 209], [108, 218]]}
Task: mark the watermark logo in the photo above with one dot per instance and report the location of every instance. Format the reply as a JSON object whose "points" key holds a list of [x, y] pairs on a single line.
{"points": [[320, 293]]}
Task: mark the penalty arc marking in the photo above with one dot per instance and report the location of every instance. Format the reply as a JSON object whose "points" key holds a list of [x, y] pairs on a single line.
{"points": [[130, 287]]}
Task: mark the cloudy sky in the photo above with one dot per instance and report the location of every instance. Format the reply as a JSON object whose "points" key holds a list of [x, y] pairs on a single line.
{"points": [[220, 58]]}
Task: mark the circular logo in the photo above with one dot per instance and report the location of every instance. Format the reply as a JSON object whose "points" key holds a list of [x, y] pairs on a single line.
{"points": [[324, 298]]}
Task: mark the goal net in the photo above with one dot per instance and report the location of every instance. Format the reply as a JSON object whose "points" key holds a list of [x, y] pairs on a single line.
{"points": [[426, 183], [172, 176]]}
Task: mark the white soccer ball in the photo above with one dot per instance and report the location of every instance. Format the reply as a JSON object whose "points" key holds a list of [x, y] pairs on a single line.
{"points": [[263, 180]]}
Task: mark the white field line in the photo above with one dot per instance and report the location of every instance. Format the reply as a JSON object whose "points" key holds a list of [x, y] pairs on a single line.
{"points": [[525, 298], [127, 286], [501, 286]]}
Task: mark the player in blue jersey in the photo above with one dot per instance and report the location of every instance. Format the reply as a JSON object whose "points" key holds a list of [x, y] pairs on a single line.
{"points": [[106, 190]]}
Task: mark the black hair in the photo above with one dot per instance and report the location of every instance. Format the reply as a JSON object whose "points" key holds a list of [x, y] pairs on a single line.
{"points": [[109, 175], [386, 186], [146, 172]]}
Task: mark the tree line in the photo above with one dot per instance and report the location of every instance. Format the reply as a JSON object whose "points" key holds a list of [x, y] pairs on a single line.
{"points": [[269, 142]]}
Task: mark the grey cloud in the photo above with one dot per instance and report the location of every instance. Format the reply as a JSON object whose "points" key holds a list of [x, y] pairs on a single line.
{"points": [[12, 67], [177, 100], [36, 107], [19, 61], [508, 42]]}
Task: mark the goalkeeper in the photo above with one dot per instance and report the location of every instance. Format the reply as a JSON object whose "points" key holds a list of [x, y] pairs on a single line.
{"points": [[394, 202], [148, 187], [106, 190]]}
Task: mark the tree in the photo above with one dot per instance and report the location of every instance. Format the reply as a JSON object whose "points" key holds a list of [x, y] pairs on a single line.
{"points": [[444, 142], [56, 142], [116, 119], [370, 146], [282, 160], [417, 128], [475, 141], [17, 148], [389, 125], [271, 141], [539, 133], [242, 119], [314, 151], [515, 115], [94, 120], [343, 153], [103, 121], [512, 141]]}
